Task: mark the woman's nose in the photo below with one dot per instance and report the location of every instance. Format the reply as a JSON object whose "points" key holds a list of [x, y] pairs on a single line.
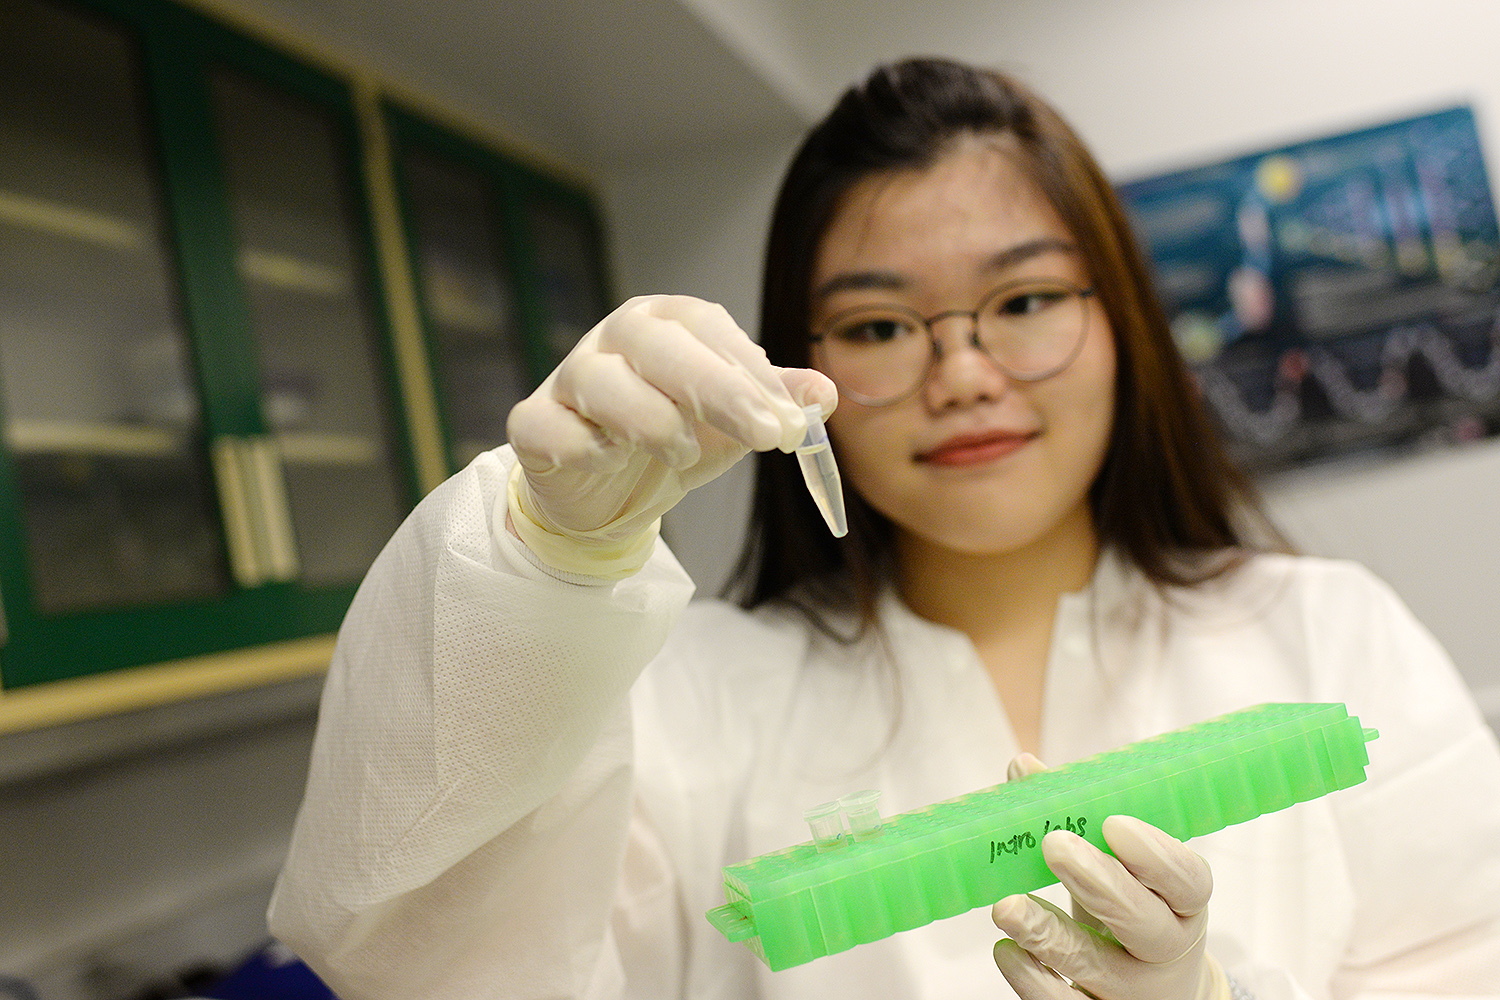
{"points": [[962, 371]]}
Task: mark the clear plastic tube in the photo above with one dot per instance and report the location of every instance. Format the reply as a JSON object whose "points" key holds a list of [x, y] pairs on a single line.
{"points": [[862, 810], [821, 474], [827, 825]]}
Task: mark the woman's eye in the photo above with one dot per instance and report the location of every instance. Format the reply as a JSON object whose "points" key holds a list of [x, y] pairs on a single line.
{"points": [[1026, 303], [876, 330]]}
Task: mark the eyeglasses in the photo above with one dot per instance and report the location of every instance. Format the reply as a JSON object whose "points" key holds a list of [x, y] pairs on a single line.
{"points": [[878, 355]]}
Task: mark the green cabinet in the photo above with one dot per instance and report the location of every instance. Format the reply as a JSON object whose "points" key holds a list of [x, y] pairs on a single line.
{"points": [[509, 273], [209, 426], [202, 449]]}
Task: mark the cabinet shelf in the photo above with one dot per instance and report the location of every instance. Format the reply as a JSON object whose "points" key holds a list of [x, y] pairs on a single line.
{"points": [[469, 317], [293, 274], [72, 222], [264, 267], [69, 437], [312, 448]]}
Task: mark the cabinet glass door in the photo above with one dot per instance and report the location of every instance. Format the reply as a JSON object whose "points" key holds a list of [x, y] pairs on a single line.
{"points": [[569, 267], [101, 398], [329, 453], [466, 283]]}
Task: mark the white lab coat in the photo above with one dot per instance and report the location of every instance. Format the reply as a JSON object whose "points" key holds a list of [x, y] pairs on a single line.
{"points": [[523, 787]]}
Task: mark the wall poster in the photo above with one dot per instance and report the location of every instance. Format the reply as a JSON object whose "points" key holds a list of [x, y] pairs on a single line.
{"points": [[1337, 295]]}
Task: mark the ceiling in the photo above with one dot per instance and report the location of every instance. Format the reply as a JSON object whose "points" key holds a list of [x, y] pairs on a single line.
{"points": [[608, 84], [599, 84]]}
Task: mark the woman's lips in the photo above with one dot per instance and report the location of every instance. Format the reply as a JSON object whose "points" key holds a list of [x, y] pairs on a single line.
{"points": [[975, 449]]}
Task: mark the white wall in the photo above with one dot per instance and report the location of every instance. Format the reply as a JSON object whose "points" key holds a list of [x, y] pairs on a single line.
{"points": [[698, 228], [1426, 524], [1153, 85], [1157, 85]]}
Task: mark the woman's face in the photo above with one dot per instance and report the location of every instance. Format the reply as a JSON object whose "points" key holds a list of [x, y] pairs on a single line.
{"points": [[972, 461]]}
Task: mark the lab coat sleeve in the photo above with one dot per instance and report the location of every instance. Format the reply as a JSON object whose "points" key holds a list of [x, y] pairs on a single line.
{"points": [[470, 789], [1422, 834]]}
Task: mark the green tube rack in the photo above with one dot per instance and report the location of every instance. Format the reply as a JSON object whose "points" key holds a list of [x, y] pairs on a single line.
{"points": [[794, 905]]}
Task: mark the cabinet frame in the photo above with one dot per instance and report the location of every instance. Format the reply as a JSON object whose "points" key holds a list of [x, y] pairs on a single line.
{"points": [[67, 667], [177, 49]]}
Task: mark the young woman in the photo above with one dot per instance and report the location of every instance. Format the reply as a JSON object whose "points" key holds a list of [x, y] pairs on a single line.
{"points": [[535, 755]]}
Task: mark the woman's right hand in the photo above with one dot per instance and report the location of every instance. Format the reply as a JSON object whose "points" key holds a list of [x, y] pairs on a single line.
{"points": [[663, 395]]}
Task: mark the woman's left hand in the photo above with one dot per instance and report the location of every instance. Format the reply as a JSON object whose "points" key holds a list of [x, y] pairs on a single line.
{"points": [[1142, 918]]}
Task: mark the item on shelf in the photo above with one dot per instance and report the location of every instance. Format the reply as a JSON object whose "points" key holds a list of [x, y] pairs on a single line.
{"points": [[158, 381], [288, 398]]}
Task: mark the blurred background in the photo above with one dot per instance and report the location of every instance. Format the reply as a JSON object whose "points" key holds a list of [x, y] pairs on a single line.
{"points": [[271, 269]]}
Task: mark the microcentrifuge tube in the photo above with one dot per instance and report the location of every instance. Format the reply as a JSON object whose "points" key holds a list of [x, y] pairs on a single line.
{"points": [[862, 810], [827, 825], [821, 474]]}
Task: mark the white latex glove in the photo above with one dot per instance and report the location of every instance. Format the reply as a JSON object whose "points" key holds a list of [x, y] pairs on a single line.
{"points": [[1139, 924], [663, 395]]}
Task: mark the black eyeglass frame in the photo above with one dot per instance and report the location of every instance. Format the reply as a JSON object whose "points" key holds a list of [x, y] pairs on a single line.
{"points": [[818, 337]]}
